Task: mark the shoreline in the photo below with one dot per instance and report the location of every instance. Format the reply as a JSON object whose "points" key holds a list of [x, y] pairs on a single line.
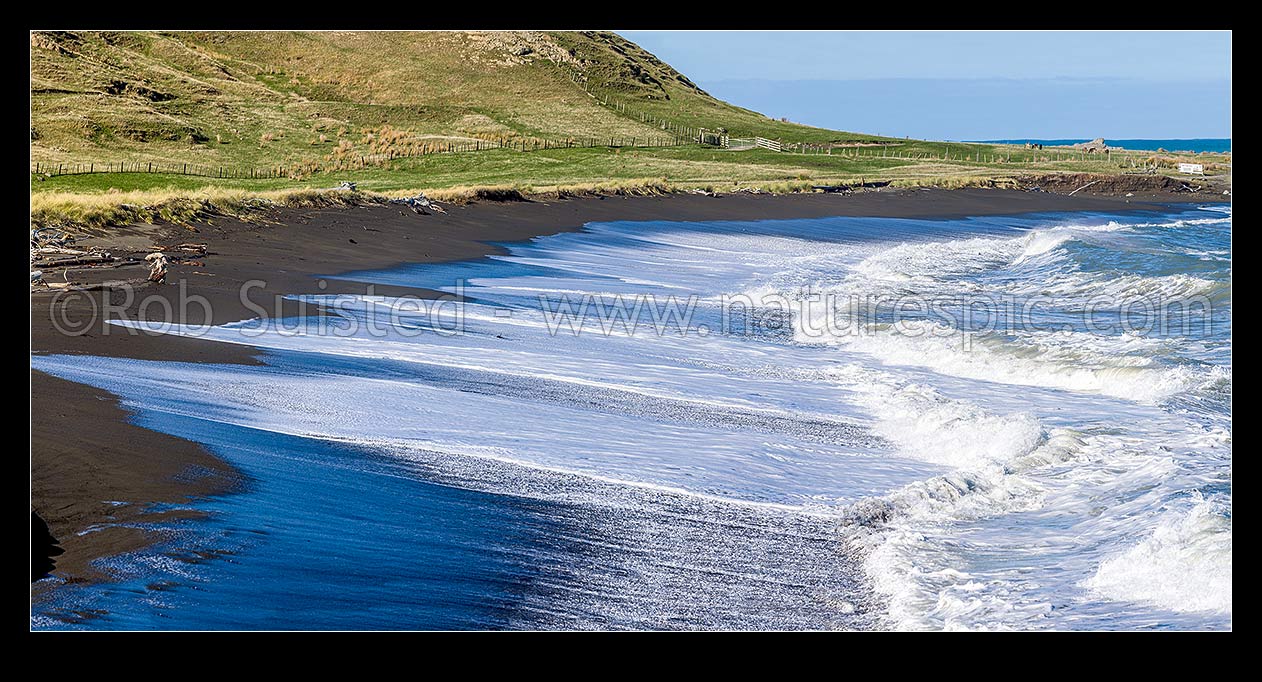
{"points": [[87, 455]]}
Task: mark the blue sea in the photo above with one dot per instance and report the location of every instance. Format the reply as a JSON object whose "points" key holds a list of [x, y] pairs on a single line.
{"points": [[1195, 145], [1013, 422]]}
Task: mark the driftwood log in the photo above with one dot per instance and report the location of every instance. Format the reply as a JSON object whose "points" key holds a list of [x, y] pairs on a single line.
{"points": [[1083, 187], [199, 249], [73, 261]]}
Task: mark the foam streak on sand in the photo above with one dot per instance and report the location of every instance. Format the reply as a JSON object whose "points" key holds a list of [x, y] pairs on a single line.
{"points": [[960, 477]]}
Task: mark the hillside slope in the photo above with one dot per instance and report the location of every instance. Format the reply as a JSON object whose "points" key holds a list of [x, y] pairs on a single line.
{"points": [[265, 98], [628, 73]]}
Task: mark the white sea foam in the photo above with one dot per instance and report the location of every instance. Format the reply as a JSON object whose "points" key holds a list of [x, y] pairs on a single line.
{"points": [[943, 555], [1069, 360], [1118, 362], [1183, 565], [903, 534]]}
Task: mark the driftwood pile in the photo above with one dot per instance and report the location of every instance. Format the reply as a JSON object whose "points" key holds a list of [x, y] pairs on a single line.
{"points": [[420, 204], [852, 187], [55, 249], [52, 250]]}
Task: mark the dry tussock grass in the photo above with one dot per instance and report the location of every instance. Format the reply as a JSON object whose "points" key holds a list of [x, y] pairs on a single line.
{"points": [[88, 211], [91, 211]]}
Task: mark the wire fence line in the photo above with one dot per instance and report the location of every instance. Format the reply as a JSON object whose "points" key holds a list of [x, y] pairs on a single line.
{"points": [[611, 101], [380, 160], [350, 161]]}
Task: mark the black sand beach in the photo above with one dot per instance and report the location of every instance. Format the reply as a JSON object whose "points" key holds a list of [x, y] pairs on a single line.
{"points": [[90, 465]]}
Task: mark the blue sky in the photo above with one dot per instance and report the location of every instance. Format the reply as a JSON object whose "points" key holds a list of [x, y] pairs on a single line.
{"points": [[968, 84]]}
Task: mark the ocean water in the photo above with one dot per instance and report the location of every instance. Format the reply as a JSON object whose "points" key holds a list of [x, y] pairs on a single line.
{"points": [[985, 423], [1220, 145]]}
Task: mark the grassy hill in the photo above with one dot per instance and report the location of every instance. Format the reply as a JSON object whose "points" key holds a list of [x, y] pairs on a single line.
{"points": [[266, 98], [537, 109]]}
